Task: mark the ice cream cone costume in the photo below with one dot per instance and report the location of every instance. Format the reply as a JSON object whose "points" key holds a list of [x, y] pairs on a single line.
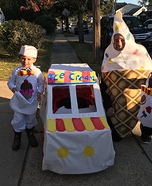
{"points": [[124, 72]]}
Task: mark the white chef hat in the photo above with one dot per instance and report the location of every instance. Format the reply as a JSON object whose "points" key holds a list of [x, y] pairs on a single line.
{"points": [[28, 50]]}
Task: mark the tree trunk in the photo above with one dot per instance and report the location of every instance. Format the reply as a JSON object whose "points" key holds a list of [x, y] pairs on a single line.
{"points": [[67, 24], [96, 31]]}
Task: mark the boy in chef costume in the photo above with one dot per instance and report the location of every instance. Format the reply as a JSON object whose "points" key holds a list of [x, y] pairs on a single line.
{"points": [[124, 70], [26, 82]]}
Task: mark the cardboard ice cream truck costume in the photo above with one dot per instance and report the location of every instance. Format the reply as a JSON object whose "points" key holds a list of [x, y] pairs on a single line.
{"points": [[77, 138]]}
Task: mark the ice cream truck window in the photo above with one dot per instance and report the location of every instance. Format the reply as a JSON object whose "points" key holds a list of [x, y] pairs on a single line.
{"points": [[85, 97], [62, 99]]}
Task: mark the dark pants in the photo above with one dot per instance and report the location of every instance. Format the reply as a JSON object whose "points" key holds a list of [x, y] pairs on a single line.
{"points": [[115, 135], [146, 131], [107, 104]]}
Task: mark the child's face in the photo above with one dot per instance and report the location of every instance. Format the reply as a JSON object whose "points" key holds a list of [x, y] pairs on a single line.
{"points": [[27, 61]]}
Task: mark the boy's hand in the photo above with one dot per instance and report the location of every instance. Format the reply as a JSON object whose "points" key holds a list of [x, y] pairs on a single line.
{"points": [[39, 96], [110, 112], [14, 89]]}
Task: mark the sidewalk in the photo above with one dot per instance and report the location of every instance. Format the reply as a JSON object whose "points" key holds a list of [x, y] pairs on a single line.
{"points": [[133, 161]]}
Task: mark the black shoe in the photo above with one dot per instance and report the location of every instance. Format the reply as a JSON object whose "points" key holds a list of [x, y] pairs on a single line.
{"points": [[145, 139], [17, 141], [32, 140], [116, 137]]}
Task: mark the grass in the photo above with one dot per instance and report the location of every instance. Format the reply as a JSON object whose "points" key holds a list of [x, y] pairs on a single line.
{"points": [[7, 63], [44, 56], [68, 34], [84, 52]]}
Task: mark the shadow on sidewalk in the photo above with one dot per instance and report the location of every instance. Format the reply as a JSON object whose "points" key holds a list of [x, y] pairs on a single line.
{"points": [[11, 162]]}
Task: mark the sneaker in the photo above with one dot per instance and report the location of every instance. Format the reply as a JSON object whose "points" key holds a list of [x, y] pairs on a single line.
{"points": [[145, 139]]}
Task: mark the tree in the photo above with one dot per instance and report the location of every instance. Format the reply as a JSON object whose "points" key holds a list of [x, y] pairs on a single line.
{"points": [[81, 4], [96, 31], [37, 5], [106, 6], [13, 10], [76, 7], [145, 2], [30, 9], [58, 8], [10, 8]]}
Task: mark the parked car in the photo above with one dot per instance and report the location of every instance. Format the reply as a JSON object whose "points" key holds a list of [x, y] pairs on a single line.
{"points": [[69, 26], [85, 28], [64, 26], [141, 33], [73, 25], [148, 24]]}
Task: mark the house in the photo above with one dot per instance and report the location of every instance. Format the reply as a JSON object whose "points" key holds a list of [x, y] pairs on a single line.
{"points": [[132, 9]]}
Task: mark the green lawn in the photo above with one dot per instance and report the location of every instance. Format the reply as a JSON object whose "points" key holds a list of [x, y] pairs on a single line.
{"points": [[84, 52], [7, 63]]}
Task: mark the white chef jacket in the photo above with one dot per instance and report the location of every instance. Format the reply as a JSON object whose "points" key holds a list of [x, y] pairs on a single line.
{"points": [[18, 103]]}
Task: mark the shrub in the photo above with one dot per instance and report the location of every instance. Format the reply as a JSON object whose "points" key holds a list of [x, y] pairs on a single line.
{"points": [[48, 23], [14, 34]]}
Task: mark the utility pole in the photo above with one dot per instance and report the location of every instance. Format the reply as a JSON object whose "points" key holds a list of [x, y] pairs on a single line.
{"points": [[96, 31]]}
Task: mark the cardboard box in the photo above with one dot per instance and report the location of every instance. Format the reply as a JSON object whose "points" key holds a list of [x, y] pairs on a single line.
{"points": [[77, 138]]}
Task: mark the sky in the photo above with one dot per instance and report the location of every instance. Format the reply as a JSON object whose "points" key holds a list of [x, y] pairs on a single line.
{"points": [[128, 1]]}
